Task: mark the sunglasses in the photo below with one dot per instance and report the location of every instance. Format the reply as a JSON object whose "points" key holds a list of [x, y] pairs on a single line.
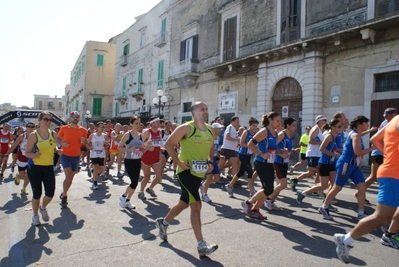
{"points": [[75, 117], [47, 120], [30, 126]]}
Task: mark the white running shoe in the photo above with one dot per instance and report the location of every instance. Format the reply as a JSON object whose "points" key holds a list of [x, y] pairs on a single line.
{"points": [[268, 204], [122, 201], [206, 198], [229, 189], [130, 205], [35, 220], [43, 212]]}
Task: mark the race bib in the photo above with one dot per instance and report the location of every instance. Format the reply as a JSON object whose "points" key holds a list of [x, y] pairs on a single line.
{"points": [[98, 152], [249, 152], [156, 142], [199, 166], [137, 153], [3, 140], [272, 155]]}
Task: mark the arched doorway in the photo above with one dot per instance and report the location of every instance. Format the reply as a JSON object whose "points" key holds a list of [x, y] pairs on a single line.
{"points": [[288, 93]]}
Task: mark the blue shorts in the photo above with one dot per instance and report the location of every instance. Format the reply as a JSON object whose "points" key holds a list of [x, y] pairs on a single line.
{"points": [[312, 161], [215, 167], [346, 171], [70, 162], [388, 193]]}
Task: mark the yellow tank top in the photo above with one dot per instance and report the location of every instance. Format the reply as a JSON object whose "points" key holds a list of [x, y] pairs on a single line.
{"points": [[46, 148]]}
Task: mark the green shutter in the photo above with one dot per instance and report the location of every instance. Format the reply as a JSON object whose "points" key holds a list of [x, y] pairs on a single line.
{"points": [[160, 74], [126, 49], [124, 86], [100, 60], [163, 30], [139, 80], [83, 67], [116, 109], [76, 104], [97, 106]]}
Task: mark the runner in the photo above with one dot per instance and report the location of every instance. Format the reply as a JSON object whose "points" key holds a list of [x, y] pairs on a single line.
{"points": [[303, 142], [264, 145], [116, 137], [329, 156], [132, 145], [348, 166], [97, 143], [312, 152], [245, 155], [40, 151], [281, 163], [194, 160], [152, 138], [165, 133], [22, 160], [70, 137], [17, 132], [213, 176], [386, 140], [229, 146], [5, 138]]}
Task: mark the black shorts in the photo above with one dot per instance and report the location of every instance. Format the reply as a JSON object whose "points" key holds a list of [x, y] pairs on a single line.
{"points": [[377, 159], [15, 151], [228, 153], [165, 153], [84, 149], [303, 156], [190, 185], [281, 170], [312, 161], [21, 169], [325, 169], [97, 161]]}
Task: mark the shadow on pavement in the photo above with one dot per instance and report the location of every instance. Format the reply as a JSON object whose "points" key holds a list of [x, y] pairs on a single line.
{"points": [[16, 202], [99, 195], [202, 261], [65, 224], [140, 225]]}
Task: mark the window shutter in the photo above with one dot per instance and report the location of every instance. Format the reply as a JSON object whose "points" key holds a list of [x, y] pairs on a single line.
{"points": [[230, 38], [284, 15], [163, 30], [116, 109], [182, 50], [124, 86], [225, 41], [195, 46], [160, 74], [139, 80], [126, 49]]}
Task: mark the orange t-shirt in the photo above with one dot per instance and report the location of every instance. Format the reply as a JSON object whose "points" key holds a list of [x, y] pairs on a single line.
{"points": [[390, 167], [72, 136]]}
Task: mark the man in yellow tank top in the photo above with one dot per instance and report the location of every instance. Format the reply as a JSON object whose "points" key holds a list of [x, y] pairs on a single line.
{"points": [[194, 161]]}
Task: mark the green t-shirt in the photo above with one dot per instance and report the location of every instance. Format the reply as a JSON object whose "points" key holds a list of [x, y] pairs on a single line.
{"points": [[305, 140], [195, 149]]}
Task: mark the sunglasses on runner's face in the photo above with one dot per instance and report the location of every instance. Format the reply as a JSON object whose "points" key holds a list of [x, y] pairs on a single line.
{"points": [[47, 119], [30, 126], [75, 117]]}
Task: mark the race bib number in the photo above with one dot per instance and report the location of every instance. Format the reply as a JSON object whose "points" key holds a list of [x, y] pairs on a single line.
{"points": [[3, 140], [98, 152], [137, 153], [272, 155], [156, 142], [199, 166]]}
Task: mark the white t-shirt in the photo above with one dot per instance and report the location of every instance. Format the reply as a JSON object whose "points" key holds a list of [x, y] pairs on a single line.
{"points": [[227, 144]]}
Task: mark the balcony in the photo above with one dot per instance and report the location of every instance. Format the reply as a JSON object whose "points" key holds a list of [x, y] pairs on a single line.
{"points": [[160, 39], [121, 97], [138, 94], [124, 61], [185, 72]]}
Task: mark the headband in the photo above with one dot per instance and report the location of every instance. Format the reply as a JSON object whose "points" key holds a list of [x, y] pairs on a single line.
{"points": [[154, 120], [321, 119]]}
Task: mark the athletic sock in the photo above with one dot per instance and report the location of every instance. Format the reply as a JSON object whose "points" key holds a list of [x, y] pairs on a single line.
{"points": [[348, 240]]}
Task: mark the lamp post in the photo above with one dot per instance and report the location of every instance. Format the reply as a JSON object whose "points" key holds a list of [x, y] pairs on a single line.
{"points": [[160, 101], [87, 117]]}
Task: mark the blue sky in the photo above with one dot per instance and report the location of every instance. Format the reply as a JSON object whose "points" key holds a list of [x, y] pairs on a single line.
{"points": [[40, 40]]}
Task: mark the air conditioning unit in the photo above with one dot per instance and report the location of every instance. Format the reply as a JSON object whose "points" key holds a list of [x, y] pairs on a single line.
{"points": [[140, 109], [145, 108]]}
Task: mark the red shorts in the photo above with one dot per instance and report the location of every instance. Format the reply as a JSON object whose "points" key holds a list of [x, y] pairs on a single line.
{"points": [[4, 148], [150, 158]]}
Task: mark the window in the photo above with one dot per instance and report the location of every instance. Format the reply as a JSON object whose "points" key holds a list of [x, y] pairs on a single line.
{"points": [[124, 86], [97, 106], [383, 7], [59, 105], [126, 49], [229, 38], [290, 11], [100, 60], [80, 103], [50, 105], [83, 67], [40, 104], [163, 30], [189, 48], [140, 81], [187, 107], [142, 40], [387, 82], [160, 74], [186, 119], [76, 105], [116, 109]]}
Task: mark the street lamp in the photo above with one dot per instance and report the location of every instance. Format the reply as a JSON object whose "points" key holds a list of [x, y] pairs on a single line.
{"points": [[160, 101], [87, 117]]}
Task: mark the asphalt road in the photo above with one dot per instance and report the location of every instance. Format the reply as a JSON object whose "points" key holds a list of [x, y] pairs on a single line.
{"points": [[95, 231]]}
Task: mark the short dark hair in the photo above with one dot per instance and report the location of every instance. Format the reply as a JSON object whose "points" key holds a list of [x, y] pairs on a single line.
{"points": [[252, 120], [234, 118], [358, 120]]}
